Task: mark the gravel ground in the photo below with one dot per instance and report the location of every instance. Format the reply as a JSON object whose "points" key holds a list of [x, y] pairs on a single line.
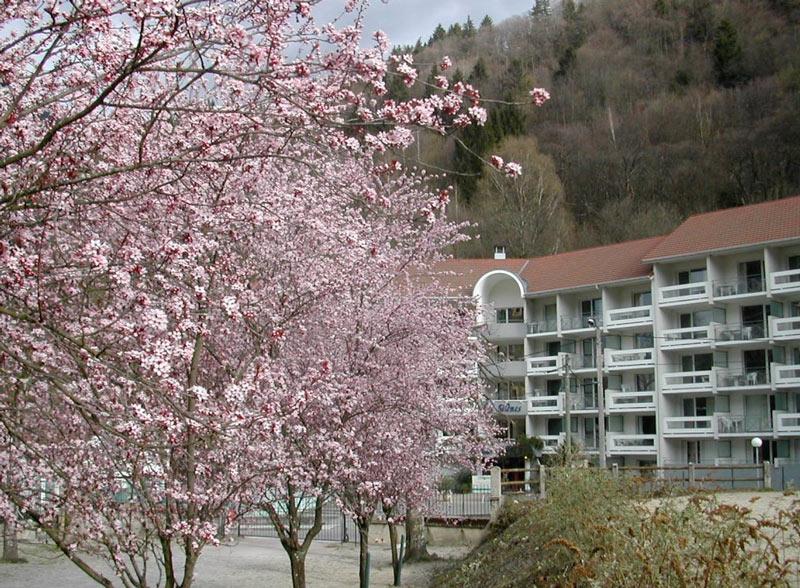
{"points": [[251, 562]]}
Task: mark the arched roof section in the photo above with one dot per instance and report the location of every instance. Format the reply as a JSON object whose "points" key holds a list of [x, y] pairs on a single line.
{"points": [[490, 279]]}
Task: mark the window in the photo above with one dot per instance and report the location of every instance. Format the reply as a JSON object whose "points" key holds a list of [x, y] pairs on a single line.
{"points": [[724, 449], [553, 348], [616, 423], [692, 276], [646, 425], [588, 353], [722, 404], [794, 262], [643, 340], [510, 315], [511, 352], [510, 390], [642, 298], [697, 363], [553, 387], [645, 382], [751, 276], [782, 449], [555, 426], [592, 308]]}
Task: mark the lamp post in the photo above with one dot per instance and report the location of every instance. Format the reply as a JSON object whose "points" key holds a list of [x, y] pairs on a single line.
{"points": [[756, 442], [601, 409]]}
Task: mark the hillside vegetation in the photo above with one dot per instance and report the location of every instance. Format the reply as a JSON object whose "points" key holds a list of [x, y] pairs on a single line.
{"points": [[660, 109]]}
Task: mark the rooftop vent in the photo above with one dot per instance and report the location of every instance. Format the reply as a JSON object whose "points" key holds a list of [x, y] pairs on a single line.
{"points": [[499, 251]]}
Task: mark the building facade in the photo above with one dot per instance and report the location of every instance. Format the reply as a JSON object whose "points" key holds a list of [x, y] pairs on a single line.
{"points": [[700, 334]]}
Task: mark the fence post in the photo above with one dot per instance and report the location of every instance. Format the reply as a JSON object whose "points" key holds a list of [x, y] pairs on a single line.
{"points": [[542, 481], [767, 474], [615, 469], [527, 477], [691, 475], [496, 488]]}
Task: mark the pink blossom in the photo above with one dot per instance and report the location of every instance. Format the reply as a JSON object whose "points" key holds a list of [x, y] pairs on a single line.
{"points": [[539, 96]]}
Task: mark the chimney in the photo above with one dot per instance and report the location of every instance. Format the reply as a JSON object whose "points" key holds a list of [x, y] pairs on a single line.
{"points": [[499, 251]]}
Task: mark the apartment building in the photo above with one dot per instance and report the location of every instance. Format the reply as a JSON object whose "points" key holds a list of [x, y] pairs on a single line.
{"points": [[700, 335]]}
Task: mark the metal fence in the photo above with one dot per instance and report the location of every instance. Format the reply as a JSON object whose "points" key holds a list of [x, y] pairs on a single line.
{"points": [[460, 506], [336, 525], [706, 477]]}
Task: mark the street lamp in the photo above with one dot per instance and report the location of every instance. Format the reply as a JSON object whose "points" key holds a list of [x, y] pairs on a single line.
{"points": [[756, 442], [601, 409]]}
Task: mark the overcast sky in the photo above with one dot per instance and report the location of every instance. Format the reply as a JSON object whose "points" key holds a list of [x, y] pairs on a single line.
{"points": [[407, 20]]}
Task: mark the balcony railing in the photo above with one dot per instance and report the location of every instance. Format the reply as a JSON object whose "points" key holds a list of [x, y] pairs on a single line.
{"points": [[507, 330], [629, 358], [786, 281], [546, 404], [755, 377], [687, 337], [540, 366], [572, 323], [699, 381], [689, 426], [738, 424], [786, 423], [785, 375], [633, 316], [734, 333], [784, 328], [542, 327], [507, 369], [622, 444], [684, 293], [551, 442], [619, 401], [739, 286]]}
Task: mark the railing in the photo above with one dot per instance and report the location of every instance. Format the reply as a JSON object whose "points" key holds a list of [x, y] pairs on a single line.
{"points": [[569, 323], [754, 377], [785, 375], [539, 366], [541, 327], [511, 407], [786, 422], [629, 358], [784, 328], [696, 292], [687, 337], [506, 330], [729, 424], [701, 381], [582, 401], [622, 444], [619, 401], [692, 426], [551, 442], [635, 315], [739, 286], [546, 404], [735, 476], [724, 333], [786, 281], [507, 369]]}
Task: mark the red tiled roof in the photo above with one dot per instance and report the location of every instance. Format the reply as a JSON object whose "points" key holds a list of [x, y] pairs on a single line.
{"points": [[733, 227], [587, 267], [459, 276]]}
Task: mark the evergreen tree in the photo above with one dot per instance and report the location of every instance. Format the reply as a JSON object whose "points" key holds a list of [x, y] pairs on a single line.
{"points": [[728, 65], [479, 72], [469, 27], [487, 22], [454, 30], [438, 34], [541, 9]]}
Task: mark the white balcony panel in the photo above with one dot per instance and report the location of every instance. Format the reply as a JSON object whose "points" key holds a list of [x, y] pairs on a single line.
{"points": [[689, 426], [686, 338], [619, 444], [688, 382], [634, 316], [684, 294], [546, 404], [542, 328], [785, 376], [551, 442], [787, 423], [782, 329], [618, 359], [785, 282], [542, 366], [506, 331], [619, 401]]}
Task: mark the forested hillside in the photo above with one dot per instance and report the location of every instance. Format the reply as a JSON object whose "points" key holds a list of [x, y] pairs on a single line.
{"points": [[660, 109]]}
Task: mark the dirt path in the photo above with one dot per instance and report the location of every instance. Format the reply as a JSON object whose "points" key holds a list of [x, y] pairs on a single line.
{"points": [[253, 562]]}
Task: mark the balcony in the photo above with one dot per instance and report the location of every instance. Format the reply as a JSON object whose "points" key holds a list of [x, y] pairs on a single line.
{"points": [[785, 282], [755, 378], [738, 287], [626, 359], [578, 323], [691, 337], [619, 444], [785, 376], [547, 405], [742, 425], [551, 442], [782, 329], [752, 335], [689, 426], [543, 366], [511, 407], [505, 369], [786, 423], [621, 401], [506, 331], [635, 316], [549, 327], [684, 294], [691, 382]]}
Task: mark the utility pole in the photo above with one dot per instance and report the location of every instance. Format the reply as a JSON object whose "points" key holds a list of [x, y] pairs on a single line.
{"points": [[565, 386], [601, 409]]}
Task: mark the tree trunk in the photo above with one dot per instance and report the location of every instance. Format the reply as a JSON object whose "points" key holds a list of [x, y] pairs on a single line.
{"points": [[363, 553], [297, 559], [10, 551], [416, 543], [395, 553]]}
